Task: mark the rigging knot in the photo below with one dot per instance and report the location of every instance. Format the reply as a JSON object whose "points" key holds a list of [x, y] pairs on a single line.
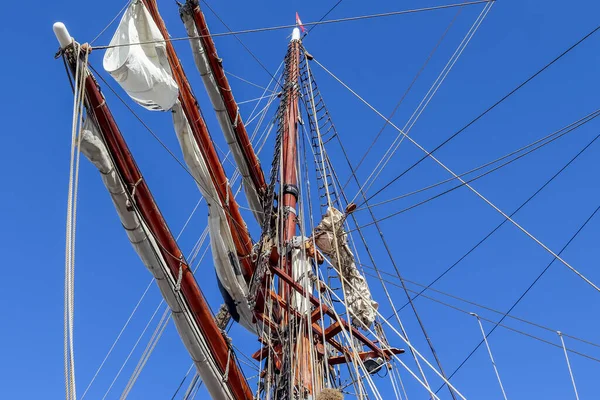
{"points": [[179, 275], [131, 199]]}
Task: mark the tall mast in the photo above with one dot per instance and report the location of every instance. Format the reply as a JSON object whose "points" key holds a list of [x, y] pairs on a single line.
{"points": [[239, 232], [217, 85], [289, 199], [195, 323]]}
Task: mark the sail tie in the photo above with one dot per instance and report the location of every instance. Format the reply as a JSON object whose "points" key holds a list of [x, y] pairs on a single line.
{"points": [[179, 275], [237, 117], [226, 374]]}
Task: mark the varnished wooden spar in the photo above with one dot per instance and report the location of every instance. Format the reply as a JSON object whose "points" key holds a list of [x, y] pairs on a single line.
{"points": [[151, 214], [256, 172], [303, 365], [239, 232]]}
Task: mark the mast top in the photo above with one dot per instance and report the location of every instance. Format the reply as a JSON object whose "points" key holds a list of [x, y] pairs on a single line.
{"points": [[62, 34], [295, 34]]}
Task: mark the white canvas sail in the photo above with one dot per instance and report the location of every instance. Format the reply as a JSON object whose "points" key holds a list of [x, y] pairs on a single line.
{"points": [[148, 250], [142, 70], [227, 265], [330, 237]]}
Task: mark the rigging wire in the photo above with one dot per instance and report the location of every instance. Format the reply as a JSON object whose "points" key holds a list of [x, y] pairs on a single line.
{"points": [[406, 92], [111, 22], [486, 237], [472, 189], [409, 125], [135, 308], [404, 332], [512, 153], [526, 291], [420, 203], [240, 41], [499, 324], [325, 15], [489, 109], [331, 21], [491, 356], [562, 341], [183, 381], [470, 302]]}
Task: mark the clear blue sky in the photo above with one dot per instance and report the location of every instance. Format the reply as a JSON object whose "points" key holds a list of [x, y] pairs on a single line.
{"points": [[378, 59]]}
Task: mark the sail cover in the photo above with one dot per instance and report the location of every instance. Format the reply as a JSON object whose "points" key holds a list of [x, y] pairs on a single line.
{"points": [[330, 237], [93, 147], [227, 126], [227, 265], [142, 70]]}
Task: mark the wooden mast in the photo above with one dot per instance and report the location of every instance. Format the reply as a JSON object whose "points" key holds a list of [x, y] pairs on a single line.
{"points": [[239, 232], [289, 199], [156, 224], [256, 173]]}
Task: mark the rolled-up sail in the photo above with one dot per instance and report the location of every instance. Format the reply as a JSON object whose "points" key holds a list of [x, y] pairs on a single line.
{"points": [[227, 266], [149, 66], [93, 147], [331, 238], [227, 112], [138, 61]]}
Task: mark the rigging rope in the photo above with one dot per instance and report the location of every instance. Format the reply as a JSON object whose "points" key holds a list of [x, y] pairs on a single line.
{"points": [[472, 189], [331, 21], [489, 109], [527, 291], [490, 353], [537, 144], [562, 341], [402, 134], [315, 126], [71, 223], [406, 92]]}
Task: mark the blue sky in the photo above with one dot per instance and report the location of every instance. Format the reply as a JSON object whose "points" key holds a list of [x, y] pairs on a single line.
{"points": [[378, 59]]}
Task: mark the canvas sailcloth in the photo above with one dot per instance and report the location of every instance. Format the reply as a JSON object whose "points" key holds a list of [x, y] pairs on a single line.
{"points": [[142, 70]]}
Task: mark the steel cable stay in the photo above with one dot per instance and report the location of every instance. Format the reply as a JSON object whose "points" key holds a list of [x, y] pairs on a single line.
{"points": [[315, 159], [403, 133], [537, 144], [315, 126], [486, 237], [323, 165], [484, 307], [477, 193], [404, 95], [529, 287], [489, 109], [427, 200], [499, 324], [385, 346], [489, 349], [325, 22], [562, 342]]}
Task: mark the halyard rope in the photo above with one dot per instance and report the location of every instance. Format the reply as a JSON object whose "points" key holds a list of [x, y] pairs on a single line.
{"points": [[69, 293]]}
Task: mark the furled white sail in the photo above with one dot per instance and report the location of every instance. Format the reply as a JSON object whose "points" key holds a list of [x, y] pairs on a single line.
{"points": [[330, 230], [144, 244], [302, 273], [227, 265], [142, 70], [227, 126]]}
